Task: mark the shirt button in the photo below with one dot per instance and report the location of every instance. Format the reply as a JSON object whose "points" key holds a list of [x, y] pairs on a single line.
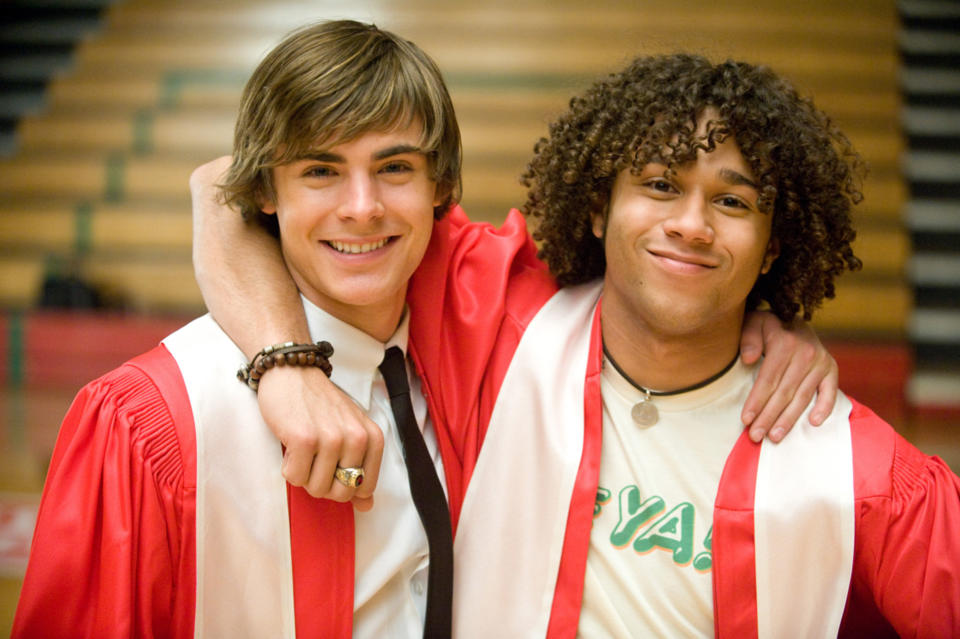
{"points": [[418, 587]]}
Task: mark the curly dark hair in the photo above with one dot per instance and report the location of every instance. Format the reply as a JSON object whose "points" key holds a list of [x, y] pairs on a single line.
{"points": [[807, 171]]}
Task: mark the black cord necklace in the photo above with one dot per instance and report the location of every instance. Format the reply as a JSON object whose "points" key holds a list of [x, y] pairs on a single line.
{"points": [[644, 412]]}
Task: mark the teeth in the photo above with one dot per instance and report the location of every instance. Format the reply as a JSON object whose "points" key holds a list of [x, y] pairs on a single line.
{"points": [[344, 247]]}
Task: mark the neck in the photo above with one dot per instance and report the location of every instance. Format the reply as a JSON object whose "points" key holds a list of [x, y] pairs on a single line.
{"points": [[379, 321], [664, 361]]}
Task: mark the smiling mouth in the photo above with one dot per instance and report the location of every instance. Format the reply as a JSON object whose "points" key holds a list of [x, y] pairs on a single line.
{"points": [[354, 248], [687, 260]]}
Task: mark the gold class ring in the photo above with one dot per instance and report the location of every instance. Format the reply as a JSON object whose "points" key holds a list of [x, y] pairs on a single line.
{"points": [[351, 477]]}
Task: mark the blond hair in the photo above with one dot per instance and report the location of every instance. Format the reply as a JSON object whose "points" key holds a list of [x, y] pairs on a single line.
{"points": [[328, 83]]}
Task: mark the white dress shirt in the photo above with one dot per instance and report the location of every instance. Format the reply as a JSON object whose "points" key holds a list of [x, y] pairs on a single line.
{"points": [[390, 586]]}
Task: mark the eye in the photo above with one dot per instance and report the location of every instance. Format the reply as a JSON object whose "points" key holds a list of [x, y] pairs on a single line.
{"points": [[732, 202], [319, 171], [659, 185], [396, 166], [398, 171]]}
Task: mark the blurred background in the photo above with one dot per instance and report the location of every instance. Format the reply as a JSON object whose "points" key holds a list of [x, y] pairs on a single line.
{"points": [[105, 107]]}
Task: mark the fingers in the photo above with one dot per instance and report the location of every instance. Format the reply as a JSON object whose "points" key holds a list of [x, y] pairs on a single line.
{"points": [[321, 428], [297, 464], [751, 340], [372, 458], [772, 390], [348, 446], [754, 341], [362, 504], [796, 367], [826, 393], [328, 451], [820, 382], [764, 404], [780, 398], [786, 406]]}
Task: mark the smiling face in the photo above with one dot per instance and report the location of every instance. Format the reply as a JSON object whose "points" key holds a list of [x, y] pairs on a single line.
{"points": [[683, 251], [355, 220]]}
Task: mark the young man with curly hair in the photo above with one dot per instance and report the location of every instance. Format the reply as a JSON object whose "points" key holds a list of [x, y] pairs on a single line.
{"points": [[670, 199]]}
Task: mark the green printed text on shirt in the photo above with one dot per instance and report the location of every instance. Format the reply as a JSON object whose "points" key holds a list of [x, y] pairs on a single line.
{"points": [[646, 525]]}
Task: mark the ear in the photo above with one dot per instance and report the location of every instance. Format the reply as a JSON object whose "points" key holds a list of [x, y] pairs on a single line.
{"points": [[598, 224], [268, 206], [773, 252], [439, 195]]}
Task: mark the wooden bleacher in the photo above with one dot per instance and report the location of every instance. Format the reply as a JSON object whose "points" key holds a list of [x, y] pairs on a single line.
{"points": [[105, 167]]}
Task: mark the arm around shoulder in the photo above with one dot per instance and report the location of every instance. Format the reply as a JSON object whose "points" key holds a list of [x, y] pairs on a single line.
{"points": [[235, 261]]}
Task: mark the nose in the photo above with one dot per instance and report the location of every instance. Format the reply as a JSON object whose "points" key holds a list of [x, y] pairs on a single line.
{"points": [[689, 219], [361, 200]]}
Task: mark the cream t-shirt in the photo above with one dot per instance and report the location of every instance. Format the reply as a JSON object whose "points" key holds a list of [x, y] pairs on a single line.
{"points": [[649, 564]]}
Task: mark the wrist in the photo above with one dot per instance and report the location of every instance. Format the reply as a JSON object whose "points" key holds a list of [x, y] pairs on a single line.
{"points": [[286, 354]]}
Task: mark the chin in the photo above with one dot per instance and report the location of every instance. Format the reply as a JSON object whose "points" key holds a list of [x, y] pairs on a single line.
{"points": [[360, 295], [684, 321]]}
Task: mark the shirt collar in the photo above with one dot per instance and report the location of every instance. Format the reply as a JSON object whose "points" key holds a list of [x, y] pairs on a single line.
{"points": [[356, 355]]}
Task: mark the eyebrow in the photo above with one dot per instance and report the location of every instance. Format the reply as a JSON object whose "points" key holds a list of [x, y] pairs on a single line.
{"points": [[736, 178], [327, 156], [398, 149]]}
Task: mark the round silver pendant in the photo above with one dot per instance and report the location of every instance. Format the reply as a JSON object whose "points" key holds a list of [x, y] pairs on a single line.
{"points": [[644, 413]]}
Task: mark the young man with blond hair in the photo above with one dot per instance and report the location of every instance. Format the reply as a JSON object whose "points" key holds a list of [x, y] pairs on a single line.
{"points": [[165, 513]]}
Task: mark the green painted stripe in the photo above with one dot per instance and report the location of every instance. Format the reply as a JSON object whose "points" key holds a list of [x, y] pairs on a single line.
{"points": [[114, 187], [83, 228], [15, 355], [171, 91], [143, 132]]}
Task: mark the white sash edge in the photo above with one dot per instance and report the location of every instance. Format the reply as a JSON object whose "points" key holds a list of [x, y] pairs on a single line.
{"points": [[508, 545], [244, 565], [804, 528]]}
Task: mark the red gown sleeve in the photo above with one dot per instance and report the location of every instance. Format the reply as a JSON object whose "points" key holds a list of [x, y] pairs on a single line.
{"points": [[906, 579], [470, 299], [114, 536]]}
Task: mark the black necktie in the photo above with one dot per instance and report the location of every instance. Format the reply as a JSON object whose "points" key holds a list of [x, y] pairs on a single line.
{"points": [[428, 497]]}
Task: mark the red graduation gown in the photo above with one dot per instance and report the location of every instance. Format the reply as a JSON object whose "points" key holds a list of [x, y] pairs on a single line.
{"points": [[118, 513], [118, 516]]}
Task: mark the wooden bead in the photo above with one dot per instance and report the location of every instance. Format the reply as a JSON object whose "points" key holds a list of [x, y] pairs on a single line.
{"points": [[286, 354]]}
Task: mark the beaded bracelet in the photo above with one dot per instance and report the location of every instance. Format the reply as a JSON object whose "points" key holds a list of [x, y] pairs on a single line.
{"points": [[286, 354]]}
